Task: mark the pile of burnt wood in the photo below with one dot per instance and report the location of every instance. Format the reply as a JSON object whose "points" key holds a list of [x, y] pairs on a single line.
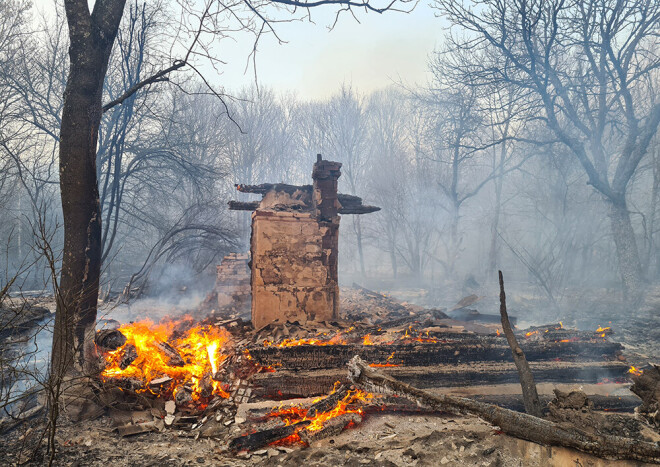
{"points": [[402, 353]]}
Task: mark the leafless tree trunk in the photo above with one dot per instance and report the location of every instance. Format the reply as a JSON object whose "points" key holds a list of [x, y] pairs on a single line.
{"points": [[586, 64], [91, 36]]}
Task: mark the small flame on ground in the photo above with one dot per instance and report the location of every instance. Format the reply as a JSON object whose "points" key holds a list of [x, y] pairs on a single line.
{"points": [[366, 340], [635, 371], [387, 363], [335, 340]]}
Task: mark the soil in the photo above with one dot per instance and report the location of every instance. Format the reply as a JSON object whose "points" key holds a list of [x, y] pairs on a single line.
{"points": [[380, 440]]}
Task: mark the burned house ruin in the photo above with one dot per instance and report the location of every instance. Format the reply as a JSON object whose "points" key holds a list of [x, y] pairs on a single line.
{"points": [[294, 246]]}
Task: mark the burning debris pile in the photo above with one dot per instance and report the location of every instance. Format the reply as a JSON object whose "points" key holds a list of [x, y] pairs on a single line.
{"points": [[199, 377]]}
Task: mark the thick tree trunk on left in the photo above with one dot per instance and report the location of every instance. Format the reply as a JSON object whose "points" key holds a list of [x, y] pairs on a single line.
{"points": [[91, 39]]}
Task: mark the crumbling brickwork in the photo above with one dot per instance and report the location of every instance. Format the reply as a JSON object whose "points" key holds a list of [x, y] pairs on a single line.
{"points": [[291, 274], [294, 251], [294, 246], [232, 284]]}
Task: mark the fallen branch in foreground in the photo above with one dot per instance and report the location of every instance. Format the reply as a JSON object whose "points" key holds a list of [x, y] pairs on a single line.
{"points": [[513, 423]]}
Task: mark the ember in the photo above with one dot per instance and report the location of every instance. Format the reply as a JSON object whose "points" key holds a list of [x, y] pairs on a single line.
{"points": [[190, 359], [335, 340]]}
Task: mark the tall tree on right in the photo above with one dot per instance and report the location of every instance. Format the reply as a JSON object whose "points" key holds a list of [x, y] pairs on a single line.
{"points": [[587, 65]]}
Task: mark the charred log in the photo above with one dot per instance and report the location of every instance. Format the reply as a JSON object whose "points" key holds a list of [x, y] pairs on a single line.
{"points": [[647, 386], [109, 339], [262, 438], [331, 427], [453, 350], [327, 403], [128, 356], [174, 359]]}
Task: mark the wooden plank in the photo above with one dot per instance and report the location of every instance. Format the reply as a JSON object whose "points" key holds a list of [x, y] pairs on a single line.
{"points": [[288, 384], [446, 351]]}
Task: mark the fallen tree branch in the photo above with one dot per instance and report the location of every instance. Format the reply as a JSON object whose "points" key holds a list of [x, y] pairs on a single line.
{"points": [[530, 395], [516, 424]]}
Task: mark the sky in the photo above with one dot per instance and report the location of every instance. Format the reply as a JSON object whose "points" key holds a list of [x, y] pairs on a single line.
{"points": [[314, 61], [378, 51]]}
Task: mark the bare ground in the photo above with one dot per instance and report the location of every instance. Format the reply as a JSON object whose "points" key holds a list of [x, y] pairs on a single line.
{"points": [[381, 440]]}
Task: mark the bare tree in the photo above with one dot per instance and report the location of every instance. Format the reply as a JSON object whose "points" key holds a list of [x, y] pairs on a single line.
{"points": [[586, 64], [91, 39], [342, 122]]}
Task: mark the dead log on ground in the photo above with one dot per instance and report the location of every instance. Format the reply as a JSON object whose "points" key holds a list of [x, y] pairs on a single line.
{"points": [[516, 424], [530, 395]]}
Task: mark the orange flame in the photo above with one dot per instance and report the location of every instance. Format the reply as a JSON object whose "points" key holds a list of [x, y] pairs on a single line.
{"points": [[635, 371], [295, 414], [366, 340], [337, 339], [386, 364], [200, 348], [531, 333], [603, 330]]}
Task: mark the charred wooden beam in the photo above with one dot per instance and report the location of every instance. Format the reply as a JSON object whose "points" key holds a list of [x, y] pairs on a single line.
{"points": [[450, 350], [291, 384], [129, 355], [516, 424], [351, 204], [243, 205], [262, 438], [647, 387], [252, 205], [327, 403], [331, 427], [174, 359], [362, 209], [264, 188]]}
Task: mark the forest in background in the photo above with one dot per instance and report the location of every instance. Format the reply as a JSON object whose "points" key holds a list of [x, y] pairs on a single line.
{"points": [[469, 171]]}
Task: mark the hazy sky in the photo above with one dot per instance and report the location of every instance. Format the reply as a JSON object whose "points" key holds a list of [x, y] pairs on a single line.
{"points": [[315, 61]]}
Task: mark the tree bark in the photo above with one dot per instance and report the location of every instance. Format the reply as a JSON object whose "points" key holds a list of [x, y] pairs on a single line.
{"points": [[630, 266], [91, 39]]}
